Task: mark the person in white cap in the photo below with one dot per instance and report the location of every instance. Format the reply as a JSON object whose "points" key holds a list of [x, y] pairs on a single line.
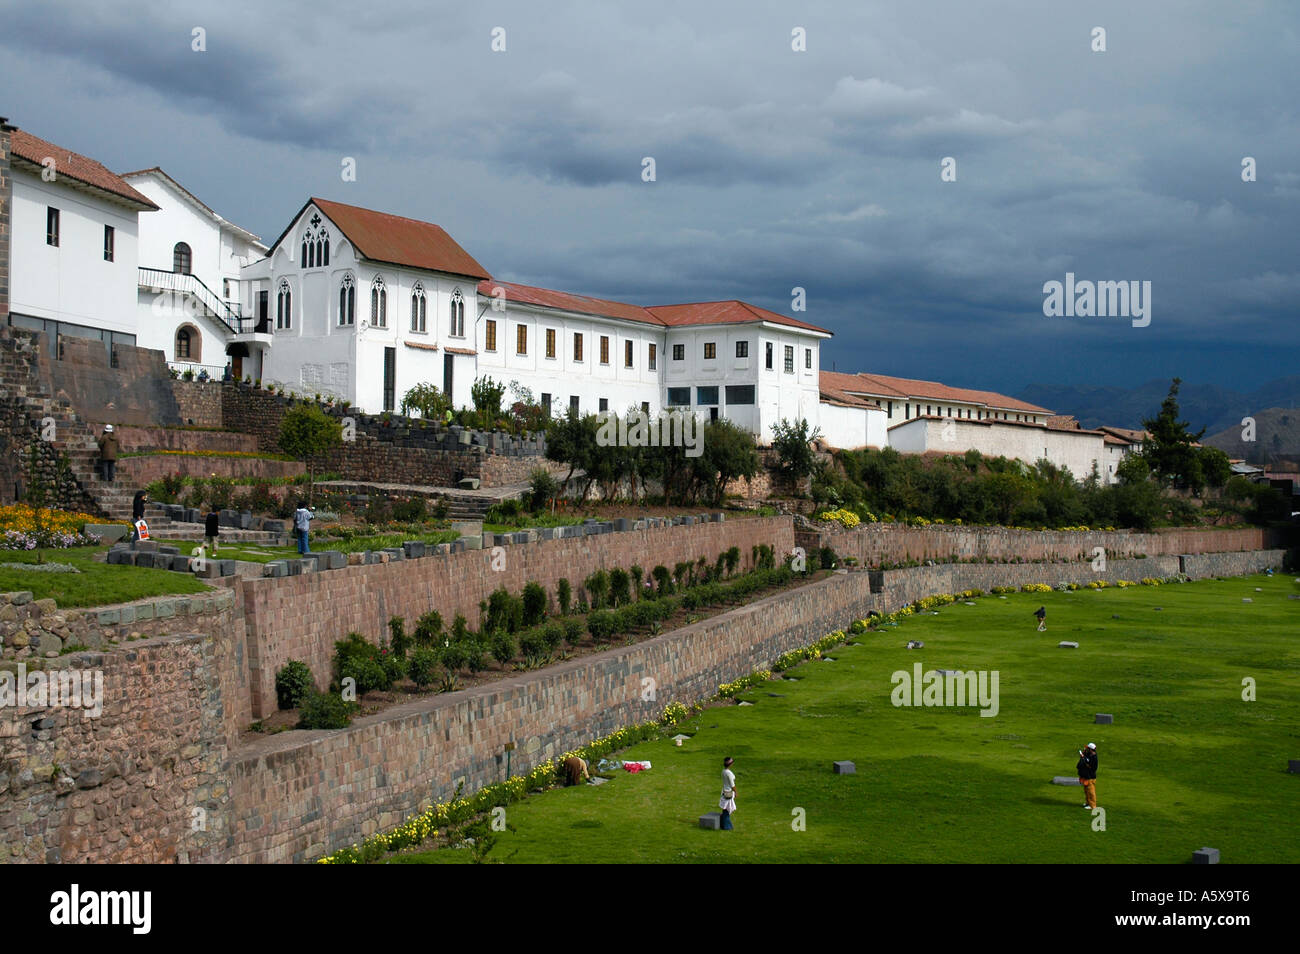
{"points": [[108, 453], [1087, 769]]}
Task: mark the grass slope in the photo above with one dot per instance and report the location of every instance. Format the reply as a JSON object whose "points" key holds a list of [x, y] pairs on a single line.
{"points": [[1187, 762], [98, 584]]}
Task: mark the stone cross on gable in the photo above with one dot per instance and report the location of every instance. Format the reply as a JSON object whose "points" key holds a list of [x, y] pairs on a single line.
{"points": [[315, 220]]}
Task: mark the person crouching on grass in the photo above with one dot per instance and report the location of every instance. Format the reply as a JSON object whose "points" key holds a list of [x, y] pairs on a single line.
{"points": [[728, 801], [1041, 613]]}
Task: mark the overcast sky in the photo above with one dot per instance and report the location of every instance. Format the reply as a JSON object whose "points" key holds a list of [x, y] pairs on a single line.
{"points": [[775, 168]]}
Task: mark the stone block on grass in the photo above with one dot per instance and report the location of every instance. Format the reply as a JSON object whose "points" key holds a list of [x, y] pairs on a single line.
{"points": [[1104, 718], [915, 644], [146, 546], [712, 820], [413, 549], [1067, 644], [1065, 780], [844, 768], [276, 568], [180, 563], [1205, 856], [1293, 766]]}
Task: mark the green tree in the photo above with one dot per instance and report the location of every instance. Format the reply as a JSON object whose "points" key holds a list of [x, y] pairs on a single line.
{"points": [[1168, 447], [487, 395], [308, 433], [728, 453], [427, 400], [1216, 466], [792, 441]]}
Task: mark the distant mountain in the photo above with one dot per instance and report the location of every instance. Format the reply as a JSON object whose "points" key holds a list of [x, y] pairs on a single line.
{"points": [[1203, 405], [1276, 438]]}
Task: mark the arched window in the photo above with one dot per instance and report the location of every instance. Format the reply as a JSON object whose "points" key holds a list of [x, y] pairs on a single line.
{"points": [[188, 344], [378, 303], [182, 259], [326, 259], [302, 259], [320, 251], [457, 314], [347, 301], [418, 313], [284, 307]]}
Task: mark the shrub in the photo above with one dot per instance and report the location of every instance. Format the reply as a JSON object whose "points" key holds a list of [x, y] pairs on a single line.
{"points": [[564, 595], [359, 660], [827, 558], [619, 586], [395, 666], [398, 639], [601, 624], [532, 644], [424, 666], [293, 683], [454, 656], [507, 612], [324, 710], [503, 647], [573, 631], [674, 713], [410, 511], [475, 655], [638, 578], [534, 604], [459, 628], [663, 580], [428, 629], [544, 487], [553, 635], [597, 587], [732, 560]]}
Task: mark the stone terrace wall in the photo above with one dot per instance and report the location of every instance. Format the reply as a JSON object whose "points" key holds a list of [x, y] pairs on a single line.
{"points": [[199, 402], [298, 799], [393, 455], [181, 439], [124, 787], [874, 544], [139, 471], [300, 617]]}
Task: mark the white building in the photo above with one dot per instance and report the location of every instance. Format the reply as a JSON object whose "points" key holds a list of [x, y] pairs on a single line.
{"points": [[189, 297], [72, 242], [362, 306]]}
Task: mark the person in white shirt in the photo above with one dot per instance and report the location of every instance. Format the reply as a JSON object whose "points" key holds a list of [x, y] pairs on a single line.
{"points": [[728, 801]]}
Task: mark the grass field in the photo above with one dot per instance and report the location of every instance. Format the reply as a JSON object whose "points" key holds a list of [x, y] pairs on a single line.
{"points": [[97, 584], [1187, 762]]}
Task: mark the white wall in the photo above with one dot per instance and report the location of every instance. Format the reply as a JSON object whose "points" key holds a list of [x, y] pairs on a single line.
{"points": [[72, 282], [1075, 450], [851, 428]]}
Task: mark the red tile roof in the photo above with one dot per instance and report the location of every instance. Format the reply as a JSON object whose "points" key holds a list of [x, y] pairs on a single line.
{"points": [[395, 240], [882, 385], [566, 301], [730, 312], [72, 165]]}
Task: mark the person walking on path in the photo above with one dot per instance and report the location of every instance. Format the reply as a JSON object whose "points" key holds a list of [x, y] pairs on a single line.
{"points": [[1041, 613], [302, 518], [108, 448], [728, 801], [211, 529], [1087, 769]]}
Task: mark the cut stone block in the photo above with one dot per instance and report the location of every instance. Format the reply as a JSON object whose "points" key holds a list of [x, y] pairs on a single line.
{"points": [[1205, 856], [1247, 599], [744, 703], [146, 546], [373, 557], [844, 768], [1104, 719], [275, 526], [1066, 644], [121, 557], [468, 483], [395, 553], [711, 820], [1064, 780], [597, 780], [335, 559], [108, 532], [181, 564], [1293, 766], [622, 523]]}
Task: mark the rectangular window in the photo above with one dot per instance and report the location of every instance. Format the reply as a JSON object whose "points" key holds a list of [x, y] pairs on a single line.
{"points": [[108, 243], [573, 404], [742, 349], [645, 407], [546, 404], [705, 396], [652, 362], [577, 347], [789, 359], [51, 226], [769, 356], [550, 342], [740, 394], [627, 354], [604, 404], [807, 358], [490, 335], [679, 397], [710, 350], [521, 339], [604, 349], [679, 352]]}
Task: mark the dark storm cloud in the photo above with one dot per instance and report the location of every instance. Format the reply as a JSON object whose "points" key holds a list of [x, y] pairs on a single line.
{"points": [[774, 169]]}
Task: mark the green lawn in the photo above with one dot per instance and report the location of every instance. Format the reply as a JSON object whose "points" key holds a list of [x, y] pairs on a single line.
{"points": [[264, 553], [1187, 763], [98, 584]]}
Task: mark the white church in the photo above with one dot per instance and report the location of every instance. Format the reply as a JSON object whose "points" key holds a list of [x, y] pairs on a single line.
{"points": [[362, 305]]}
